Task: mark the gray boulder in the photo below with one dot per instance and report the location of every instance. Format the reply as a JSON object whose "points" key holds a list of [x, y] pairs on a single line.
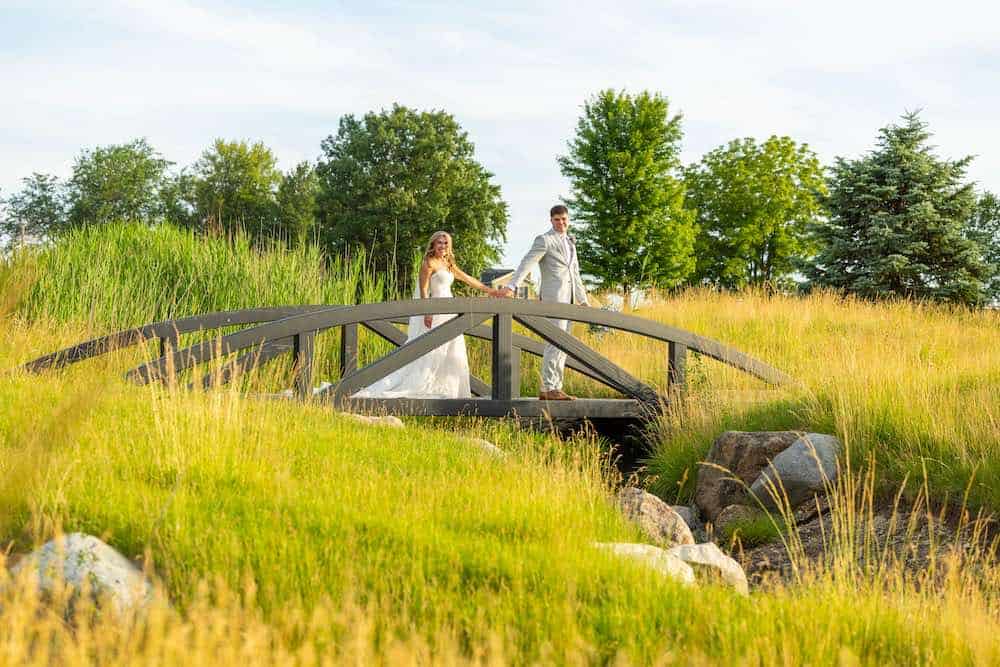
{"points": [[653, 557], [656, 518], [709, 563], [689, 514], [802, 471], [736, 454], [86, 564]]}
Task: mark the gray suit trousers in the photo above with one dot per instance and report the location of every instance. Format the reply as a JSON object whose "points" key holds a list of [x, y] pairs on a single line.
{"points": [[554, 361]]}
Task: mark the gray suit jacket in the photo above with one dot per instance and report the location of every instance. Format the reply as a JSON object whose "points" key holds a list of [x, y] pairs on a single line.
{"points": [[560, 274]]}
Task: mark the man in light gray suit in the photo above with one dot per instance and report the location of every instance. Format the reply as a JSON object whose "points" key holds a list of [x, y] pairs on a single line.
{"points": [[555, 254]]}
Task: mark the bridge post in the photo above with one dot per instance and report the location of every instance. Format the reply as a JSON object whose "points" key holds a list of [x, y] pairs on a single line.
{"points": [[305, 344], [676, 365], [169, 343], [506, 370], [348, 349]]}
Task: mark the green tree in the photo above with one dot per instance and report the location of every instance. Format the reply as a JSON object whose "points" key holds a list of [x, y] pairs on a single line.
{"points": [[235, 186], [36, 212], [897, 223], [632, 228], [389, 180], [116, 182], [297, 202], [984, 228], [755, 203]]}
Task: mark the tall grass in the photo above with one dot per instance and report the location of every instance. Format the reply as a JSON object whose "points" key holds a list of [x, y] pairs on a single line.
{"points": [[282, 533], [123, 275], [916, 387], [285, 534]]}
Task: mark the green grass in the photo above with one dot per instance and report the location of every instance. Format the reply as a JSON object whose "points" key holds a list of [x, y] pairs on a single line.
{"points": [[283, 532]]}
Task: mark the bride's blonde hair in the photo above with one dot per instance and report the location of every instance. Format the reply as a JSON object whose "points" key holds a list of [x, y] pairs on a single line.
{"points": [[449, 255]]}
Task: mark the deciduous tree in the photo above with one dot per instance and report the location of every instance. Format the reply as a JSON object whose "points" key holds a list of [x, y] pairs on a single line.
{"points": [[235, 187], [984, 229], [390, 179], [116, 182], [754, 204], [36, 212], [627, 201]]}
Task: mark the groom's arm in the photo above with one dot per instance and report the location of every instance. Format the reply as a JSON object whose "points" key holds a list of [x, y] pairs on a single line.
{"points": [[533, 257]]}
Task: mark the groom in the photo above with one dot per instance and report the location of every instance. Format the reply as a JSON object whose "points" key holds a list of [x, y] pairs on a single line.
{"points": [[555, 253]]}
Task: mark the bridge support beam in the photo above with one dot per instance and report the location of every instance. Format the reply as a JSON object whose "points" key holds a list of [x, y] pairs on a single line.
{"points": [[348, 349], [676, 366], [506, 376], [305, 347]]}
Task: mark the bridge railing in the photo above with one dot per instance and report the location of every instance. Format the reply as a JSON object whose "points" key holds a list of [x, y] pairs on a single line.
{"points": [[281, 330]]}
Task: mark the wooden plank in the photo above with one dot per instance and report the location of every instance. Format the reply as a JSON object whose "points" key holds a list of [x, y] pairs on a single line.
{"points": [[611, 374], [407, 353], [584, 408], [248, 361], [305, 348], [502, 357], [397, 337], [348, 349]]}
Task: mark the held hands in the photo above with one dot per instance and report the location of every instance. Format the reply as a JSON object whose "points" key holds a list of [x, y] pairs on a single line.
{"points": [[505, 293]]}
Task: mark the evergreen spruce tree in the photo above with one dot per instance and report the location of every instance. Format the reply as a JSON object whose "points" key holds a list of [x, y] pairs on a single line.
{"points": [[633, 229], [897, 222]]}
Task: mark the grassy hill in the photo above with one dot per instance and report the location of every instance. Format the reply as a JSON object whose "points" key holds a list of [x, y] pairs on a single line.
{"points": [[283, 533]]}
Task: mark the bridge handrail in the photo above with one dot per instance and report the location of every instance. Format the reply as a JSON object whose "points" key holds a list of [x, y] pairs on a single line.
{"points": [[284, 321]]}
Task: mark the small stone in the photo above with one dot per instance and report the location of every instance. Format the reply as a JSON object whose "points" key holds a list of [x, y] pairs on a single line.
{"points": [[486, 446], [654, 557], [805, 470], [84, 562], [387, 420], [656, 518], [708, 562]]}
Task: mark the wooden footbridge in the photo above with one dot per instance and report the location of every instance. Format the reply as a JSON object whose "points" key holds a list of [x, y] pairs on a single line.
{"points": [[269, 333]]}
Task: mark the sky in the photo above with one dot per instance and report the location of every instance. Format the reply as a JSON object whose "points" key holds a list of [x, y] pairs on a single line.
{"points": [[183, 73]]}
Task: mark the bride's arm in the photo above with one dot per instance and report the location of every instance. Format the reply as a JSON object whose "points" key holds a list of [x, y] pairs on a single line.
{"points": [[424, 279], [469, 280]]}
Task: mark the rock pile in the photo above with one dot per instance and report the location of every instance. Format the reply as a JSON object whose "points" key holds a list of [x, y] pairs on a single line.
{"points": [[744, 474]]}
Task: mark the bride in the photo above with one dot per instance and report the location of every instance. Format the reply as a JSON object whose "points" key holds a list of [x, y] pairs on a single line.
{"points": [[444, 371]]}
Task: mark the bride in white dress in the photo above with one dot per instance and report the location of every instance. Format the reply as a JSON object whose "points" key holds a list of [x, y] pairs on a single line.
{"points": [[444, 371]]}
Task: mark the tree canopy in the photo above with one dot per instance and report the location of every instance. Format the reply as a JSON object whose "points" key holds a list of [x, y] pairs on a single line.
{"points": [[984, 230], [897, 223], [754, 205], [627, 201], [235, 184], [36, 212], [116, 182], [388, 180]]}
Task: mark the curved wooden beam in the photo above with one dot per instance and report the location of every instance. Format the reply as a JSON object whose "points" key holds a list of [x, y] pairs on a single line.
{"points": [[326, 318]]}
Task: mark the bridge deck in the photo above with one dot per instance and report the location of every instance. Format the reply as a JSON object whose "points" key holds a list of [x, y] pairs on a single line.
{"points": [[595, 408]]}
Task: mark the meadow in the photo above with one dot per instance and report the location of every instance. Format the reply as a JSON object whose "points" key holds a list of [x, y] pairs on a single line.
{"points": [[282, 533]]}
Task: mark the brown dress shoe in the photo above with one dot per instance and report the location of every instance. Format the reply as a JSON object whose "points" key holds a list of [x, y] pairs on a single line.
{"points": [[555, 395]]}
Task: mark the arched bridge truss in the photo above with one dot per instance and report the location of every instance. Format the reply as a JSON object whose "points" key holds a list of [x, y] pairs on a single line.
{"points": [[272, 332]]}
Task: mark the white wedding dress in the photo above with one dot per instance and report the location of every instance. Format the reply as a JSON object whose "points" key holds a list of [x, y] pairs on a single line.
{"points": [[441, 373]]}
